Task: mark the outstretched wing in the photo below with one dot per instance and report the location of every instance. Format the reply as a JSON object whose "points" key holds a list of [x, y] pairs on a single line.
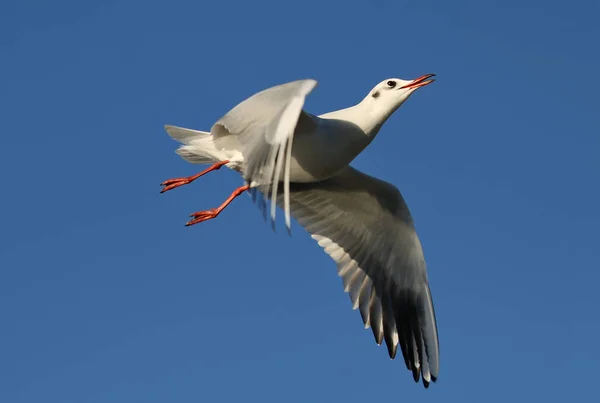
{"points": [[363, 223], [264, 124]]}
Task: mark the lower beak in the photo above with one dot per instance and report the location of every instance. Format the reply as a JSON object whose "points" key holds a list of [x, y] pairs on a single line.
{"points": [[420, 82]]}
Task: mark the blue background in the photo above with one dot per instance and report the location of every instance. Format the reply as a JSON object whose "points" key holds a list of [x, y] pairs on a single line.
{"points": [[106, 297]]}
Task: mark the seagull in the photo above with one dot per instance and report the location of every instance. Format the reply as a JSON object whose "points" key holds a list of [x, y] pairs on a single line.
{"points": [[300, 162]]}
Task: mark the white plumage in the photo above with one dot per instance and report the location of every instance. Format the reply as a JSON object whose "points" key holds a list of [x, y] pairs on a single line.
{"points": [[300, 162]]}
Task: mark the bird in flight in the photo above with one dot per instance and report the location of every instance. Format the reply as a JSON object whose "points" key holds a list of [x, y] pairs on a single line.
{"points": [[299, 161]]}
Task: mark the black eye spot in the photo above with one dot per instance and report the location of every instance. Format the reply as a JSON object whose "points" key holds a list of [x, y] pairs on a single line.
{"points": [[391, 84], [375, 94]]}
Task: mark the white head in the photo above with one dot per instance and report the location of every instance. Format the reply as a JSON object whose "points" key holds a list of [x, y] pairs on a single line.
{"points": [[389, 95], [394, 91]]}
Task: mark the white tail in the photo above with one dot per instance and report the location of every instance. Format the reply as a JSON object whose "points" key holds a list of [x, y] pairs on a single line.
{"points": [[197, 148]]}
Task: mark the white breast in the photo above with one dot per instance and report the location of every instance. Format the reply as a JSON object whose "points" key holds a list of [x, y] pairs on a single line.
{"points": [[323, 153]]}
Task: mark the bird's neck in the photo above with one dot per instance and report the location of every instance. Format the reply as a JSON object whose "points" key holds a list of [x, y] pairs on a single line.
{"points": [[370, 115]]}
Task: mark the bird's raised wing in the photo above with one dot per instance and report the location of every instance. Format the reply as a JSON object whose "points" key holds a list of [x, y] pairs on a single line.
{"points": [[363, 223], [264, 125]]}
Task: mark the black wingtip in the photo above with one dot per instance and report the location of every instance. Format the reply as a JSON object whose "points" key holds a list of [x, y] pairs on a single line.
{"points": [[377, 335], [391, 349], [426, 383], [416, 372]]}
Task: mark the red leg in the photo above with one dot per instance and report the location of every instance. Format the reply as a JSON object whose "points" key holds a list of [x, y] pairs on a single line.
{"points": [[176, 182], [212, 213]]}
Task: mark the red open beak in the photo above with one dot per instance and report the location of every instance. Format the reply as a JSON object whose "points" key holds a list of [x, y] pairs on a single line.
{"points": [[420, 82]]}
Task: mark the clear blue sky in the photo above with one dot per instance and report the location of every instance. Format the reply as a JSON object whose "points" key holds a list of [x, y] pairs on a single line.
{"points": [[106, 297]]}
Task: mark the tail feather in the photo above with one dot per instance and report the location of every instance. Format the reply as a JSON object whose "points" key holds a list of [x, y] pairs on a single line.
{"points": [[198, 146]]}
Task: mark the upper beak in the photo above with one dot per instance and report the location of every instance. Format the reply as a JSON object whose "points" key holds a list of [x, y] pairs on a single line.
{"points": [[420, 82]]}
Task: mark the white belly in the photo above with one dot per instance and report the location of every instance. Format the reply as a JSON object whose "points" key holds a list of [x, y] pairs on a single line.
{"points": [[317, 155]]}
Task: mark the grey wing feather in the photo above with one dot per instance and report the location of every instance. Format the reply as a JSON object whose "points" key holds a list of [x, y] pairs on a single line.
{"points": [[264, 125], [363, 223]]}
